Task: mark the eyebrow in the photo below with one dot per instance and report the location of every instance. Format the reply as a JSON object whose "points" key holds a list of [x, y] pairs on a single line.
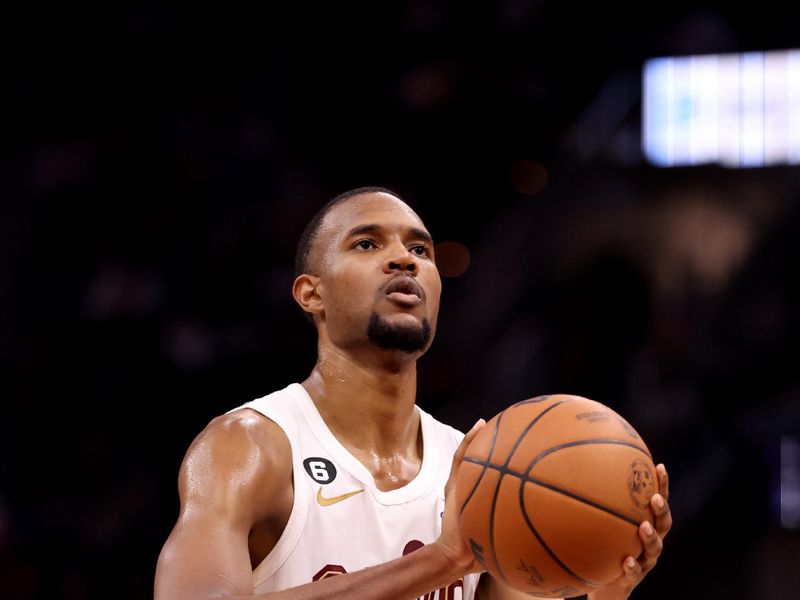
{"points": [[375, 228]]}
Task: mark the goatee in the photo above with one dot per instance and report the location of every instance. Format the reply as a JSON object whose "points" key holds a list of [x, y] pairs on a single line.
{"points": [[408, 338]]}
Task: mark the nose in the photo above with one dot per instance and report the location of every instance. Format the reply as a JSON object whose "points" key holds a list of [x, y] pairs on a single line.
{"points": [[403, 262]]}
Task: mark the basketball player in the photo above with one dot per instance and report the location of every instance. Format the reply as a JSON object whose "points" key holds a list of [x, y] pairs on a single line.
{"points": [[340, 486]]}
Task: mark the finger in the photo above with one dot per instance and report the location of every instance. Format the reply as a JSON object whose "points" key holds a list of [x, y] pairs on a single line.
{"points": [[461, 451], [462, 448], [632, 570], [663, 514], [663, 480], [652, 546]]}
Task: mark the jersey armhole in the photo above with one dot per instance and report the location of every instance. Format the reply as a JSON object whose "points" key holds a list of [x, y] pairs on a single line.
{"points": [[297, 519]]}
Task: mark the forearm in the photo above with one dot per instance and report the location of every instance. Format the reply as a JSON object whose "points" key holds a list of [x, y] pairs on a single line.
{"points": [[405, 578]]}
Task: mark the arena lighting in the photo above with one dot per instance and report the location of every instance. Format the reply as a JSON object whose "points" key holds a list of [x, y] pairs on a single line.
{"points": [[738, 110], [790, 483]]}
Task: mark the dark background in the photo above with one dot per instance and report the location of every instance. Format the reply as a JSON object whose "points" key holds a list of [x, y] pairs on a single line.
{"points": [[158, 165]]}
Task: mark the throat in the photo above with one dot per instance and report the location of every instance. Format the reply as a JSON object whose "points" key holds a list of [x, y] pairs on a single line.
{"points": [[391, 473], [372, 415], [392, 463]]}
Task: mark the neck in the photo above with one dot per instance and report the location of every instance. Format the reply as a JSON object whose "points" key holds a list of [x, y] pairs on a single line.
{"points": [[367, 399]]}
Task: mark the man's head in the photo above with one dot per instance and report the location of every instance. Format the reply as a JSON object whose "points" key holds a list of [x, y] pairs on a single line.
{"points": [[365, 273]]}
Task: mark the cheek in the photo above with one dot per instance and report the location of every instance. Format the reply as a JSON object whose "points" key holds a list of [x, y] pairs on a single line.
{"points": [[348, 294], [434, 308], [434, 295]]}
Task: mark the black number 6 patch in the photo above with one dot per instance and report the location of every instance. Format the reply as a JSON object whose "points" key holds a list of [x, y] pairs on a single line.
{"points": [[319, 469]]}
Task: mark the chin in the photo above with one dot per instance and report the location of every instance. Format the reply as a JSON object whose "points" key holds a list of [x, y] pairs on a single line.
{"points": [[403, 319], [400, 332]]}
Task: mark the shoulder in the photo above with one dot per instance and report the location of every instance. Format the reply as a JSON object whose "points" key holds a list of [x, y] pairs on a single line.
{"points": [[243, 426], [240, 457], [242, 436]]}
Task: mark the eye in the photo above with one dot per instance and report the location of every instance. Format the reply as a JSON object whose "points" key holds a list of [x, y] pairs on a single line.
{"points": [[420, 250], [365, 244]]}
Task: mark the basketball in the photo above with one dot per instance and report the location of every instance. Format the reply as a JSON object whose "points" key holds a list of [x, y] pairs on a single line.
{"points": [[551, 493]]}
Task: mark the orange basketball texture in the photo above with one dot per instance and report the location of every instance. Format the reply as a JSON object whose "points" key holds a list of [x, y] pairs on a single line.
{"points": [[551, 493]]}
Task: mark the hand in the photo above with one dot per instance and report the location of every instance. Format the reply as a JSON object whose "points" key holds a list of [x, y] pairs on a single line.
{"points": [[451, 542], [633, 571]]}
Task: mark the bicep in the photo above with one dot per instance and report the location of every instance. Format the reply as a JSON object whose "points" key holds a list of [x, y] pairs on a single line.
{"points": [[233, 476], [204, 557]]}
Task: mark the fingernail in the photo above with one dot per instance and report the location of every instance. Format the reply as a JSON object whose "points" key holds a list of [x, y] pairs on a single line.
{"points": [[478, 422], [648, 529], [630, 563], [658, 501]]}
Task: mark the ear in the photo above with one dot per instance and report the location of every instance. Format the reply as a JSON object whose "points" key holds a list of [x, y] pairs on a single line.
{"points": [[306, 293]]}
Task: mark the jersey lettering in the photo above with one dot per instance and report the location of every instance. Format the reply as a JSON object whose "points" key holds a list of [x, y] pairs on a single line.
{"points": [[445, 593], [328, 571]]}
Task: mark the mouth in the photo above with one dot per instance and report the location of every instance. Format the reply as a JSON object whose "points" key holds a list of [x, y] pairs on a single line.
{"points": [[404, 290]]}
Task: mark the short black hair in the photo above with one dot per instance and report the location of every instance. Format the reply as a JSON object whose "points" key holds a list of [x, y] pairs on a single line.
{"points": [[309, 235]]}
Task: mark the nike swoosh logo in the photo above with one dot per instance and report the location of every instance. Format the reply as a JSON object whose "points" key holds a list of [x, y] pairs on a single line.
{"points": [[323, 501]]}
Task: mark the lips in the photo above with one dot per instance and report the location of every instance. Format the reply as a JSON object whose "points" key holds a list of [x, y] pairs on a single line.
{"points": [[404, 290], [404, 285]]}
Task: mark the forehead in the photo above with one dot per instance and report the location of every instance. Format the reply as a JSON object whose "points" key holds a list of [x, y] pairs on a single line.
{"points": [[377, 208]]}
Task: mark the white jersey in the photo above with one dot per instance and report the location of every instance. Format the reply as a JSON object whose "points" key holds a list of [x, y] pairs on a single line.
{"points": [[340, 521]]}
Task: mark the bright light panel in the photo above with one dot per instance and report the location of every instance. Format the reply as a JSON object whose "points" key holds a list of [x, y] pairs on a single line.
{"points": [[738, 110]]}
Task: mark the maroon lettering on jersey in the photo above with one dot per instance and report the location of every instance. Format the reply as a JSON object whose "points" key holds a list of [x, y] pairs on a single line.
{"points": [[445, 593], [329, 571], [412, 546]]}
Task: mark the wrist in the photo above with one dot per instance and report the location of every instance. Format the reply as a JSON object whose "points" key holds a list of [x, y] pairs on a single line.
{"points": [[452, 562]]}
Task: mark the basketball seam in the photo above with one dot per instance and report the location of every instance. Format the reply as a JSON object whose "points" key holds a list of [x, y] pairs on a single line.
{"points": [[489, 458], [535, 532], [553, 449], [533, 400], [530, 425], [525, 477], [504, 470], [502, 474], [574, 496]]}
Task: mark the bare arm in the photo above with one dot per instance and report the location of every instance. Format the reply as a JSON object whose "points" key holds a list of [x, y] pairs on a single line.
{"points": [[237, 473]]}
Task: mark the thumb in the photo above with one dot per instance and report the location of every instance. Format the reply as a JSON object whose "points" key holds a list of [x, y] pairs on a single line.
{"points": [[458, 457]]}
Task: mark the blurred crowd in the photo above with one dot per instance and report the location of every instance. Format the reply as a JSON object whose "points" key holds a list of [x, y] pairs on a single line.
{"points": [[158, 171]]}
